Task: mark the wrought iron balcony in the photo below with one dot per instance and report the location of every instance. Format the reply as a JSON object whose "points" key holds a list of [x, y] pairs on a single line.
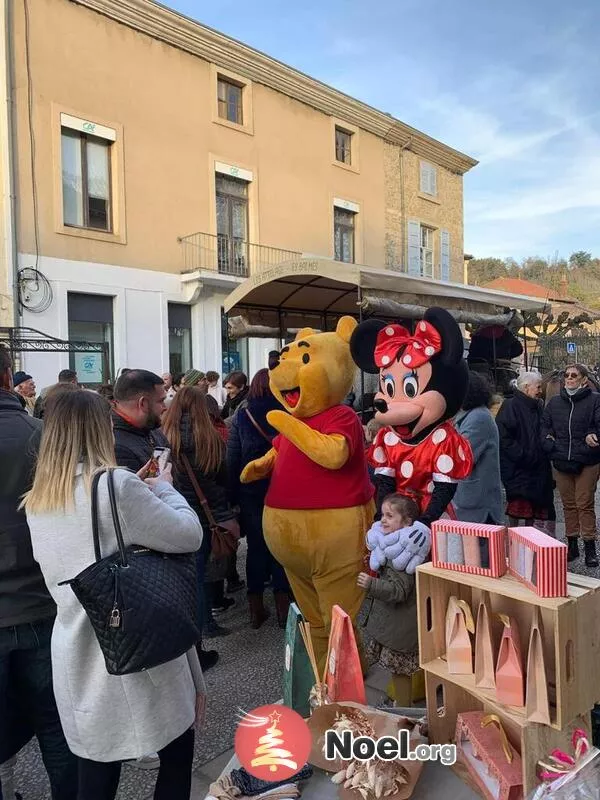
{"points": [[230, 255]]}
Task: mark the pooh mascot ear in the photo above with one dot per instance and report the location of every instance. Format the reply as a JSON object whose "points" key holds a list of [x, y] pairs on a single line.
{"points": [[453, 347], [362, 344], [345, 328], [302, 334]]}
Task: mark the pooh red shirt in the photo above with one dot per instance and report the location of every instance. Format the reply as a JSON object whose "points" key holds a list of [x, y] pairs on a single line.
{"points": [[444, 456], [300, 483]]}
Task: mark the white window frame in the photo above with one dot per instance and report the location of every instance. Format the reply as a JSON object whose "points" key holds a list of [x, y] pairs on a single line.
{"points": [[428, 179], [426, 246]]}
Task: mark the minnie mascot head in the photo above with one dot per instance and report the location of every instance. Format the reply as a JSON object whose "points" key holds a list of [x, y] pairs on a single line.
{"points": [[423, 379]]}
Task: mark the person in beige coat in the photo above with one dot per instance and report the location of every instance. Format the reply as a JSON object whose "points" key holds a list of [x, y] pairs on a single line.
{"points": [[106, 718]]}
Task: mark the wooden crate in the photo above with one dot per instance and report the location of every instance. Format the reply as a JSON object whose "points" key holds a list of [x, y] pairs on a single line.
{"points": [[446, 699], [571, 636]]}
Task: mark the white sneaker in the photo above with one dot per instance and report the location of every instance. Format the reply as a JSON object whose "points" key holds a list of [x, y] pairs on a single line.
{"points": [[151, 761]]}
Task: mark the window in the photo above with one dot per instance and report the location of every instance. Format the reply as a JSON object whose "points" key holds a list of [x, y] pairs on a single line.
{"points": [[180, 337], [426, 252], [86, 180], [343, 235], [232, 225], [91, 320], [428, 179], [230, 101], [343, 146]]}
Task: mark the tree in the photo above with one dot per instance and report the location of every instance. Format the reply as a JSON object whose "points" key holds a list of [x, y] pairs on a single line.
{"points": [[484, 270], [580, 259]]}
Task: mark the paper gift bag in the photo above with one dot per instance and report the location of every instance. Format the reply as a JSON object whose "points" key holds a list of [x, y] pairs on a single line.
{"points": [[297, 673], [459, 624], [510, 688], [492, 762], [344, 677], [537, 706], [485, 662]]}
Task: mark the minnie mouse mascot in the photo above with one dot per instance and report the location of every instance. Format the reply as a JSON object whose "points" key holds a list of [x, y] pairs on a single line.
{"points": [[423, 382]]}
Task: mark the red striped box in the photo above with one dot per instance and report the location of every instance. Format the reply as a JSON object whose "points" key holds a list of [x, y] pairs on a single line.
{"points": [[465, 536], [538, 560]]}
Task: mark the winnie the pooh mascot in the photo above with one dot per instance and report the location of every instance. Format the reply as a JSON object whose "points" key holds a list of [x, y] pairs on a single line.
{"points": [[320, 500]]}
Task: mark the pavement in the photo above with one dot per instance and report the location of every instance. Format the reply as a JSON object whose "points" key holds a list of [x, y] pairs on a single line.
{"points": [[248, 674]]}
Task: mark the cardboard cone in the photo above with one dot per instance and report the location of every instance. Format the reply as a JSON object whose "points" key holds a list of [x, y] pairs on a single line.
{"points": [[537, 706], [344, 677], [485, 662], [298, 676], [459, 650], [510, 688]]}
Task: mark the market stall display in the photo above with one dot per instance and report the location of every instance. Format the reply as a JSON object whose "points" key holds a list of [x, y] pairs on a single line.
{"points": [[568, 639], [539, 560]]}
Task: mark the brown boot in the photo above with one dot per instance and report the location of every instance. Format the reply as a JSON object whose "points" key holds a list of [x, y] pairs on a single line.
{"points": [[282, 606], [258, 612]]}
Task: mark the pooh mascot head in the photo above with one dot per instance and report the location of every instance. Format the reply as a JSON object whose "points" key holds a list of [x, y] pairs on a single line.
{"points": [[319, 503], [315, 371]]}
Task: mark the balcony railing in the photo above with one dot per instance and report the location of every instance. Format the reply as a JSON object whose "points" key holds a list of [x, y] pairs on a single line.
{"points": [[230, 255]]}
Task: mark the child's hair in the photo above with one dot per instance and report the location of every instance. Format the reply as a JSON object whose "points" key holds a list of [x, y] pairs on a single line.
{"points": [[406, 507]]}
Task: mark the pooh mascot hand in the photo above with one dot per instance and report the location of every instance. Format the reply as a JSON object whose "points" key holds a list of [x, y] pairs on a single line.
{"points": [[319, 504], [259, 468], [412, 548]]}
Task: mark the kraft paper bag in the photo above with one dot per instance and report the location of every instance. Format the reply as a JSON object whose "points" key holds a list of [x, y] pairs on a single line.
{"points": [[510, 687], [537, 706], [344, 677], [459, 624], [298, 676], [485, 662]]}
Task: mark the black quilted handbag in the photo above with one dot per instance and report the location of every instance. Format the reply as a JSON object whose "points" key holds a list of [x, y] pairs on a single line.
{"points": [[142, 604]]}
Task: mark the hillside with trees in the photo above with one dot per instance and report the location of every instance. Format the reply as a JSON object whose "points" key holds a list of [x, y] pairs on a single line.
{"points": [[582, 271]]}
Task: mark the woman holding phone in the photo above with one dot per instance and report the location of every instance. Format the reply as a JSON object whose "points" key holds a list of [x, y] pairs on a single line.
{"points": [[108, 719]]}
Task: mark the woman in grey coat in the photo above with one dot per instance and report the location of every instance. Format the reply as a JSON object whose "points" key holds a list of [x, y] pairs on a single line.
{"points": [[478, 498], [107, 718]]}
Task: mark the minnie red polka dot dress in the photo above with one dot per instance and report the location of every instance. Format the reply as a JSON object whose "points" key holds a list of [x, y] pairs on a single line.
{"points": [[444, 456]]}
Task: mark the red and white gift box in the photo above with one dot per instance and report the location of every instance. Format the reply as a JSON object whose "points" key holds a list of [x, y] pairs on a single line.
{"points": [[443, 529], [538, 560]]}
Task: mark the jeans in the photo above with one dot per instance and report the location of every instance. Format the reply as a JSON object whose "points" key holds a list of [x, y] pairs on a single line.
{"points": [[100, 780], [260, 564], [27, 704], [577, 493]]}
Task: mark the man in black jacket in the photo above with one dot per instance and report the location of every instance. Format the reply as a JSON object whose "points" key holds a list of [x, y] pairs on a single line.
{"points": [[139, 404], [27, 611]]}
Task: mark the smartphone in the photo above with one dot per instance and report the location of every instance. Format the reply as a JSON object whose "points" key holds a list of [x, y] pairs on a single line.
{"points": [[160, 459]]}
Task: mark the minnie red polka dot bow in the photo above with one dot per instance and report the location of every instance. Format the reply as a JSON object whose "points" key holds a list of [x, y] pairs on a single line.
{"points": [[420, 347]]}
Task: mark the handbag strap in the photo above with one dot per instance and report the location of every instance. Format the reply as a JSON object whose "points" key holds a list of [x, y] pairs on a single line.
{"points": [[114, 513], [257, 426], [199, 493]]}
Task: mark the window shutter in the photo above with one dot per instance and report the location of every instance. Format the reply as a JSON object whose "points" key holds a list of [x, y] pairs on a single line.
{"points": [[432, 180], [445, 254], [414, 248], [424, 178]]}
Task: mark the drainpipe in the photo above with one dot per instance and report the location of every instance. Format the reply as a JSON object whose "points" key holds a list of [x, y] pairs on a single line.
{"points": [[8, 154]]}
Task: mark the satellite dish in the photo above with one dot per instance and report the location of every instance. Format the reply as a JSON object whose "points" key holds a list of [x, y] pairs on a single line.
{"points": [[35, 291]]}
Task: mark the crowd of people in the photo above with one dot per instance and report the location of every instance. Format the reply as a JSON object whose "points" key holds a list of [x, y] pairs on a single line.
{"points": [[53, 679]]}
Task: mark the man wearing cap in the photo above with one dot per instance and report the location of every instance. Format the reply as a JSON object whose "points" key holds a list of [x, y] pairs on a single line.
{"points": [[25, 387], [193, 377]]}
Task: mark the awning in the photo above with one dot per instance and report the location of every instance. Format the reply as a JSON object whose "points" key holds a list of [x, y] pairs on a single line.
{"points": [[319, 287]]}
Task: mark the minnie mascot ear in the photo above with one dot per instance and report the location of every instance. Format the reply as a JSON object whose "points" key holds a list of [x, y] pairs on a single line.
{"points": [[423, 382]]}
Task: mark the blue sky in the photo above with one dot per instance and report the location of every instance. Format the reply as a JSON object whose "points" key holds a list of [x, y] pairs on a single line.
{"points": [[513, 84]]}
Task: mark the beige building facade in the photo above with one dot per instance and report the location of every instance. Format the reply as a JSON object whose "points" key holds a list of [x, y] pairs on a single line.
{"points": [[150, 164]]}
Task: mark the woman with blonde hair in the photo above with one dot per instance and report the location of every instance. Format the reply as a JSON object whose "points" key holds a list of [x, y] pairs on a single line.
{"points": [[106, 718], [193, 437]]}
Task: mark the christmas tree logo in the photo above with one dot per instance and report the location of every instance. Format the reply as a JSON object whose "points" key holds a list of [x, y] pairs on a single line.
{"points": [[272, 742]]}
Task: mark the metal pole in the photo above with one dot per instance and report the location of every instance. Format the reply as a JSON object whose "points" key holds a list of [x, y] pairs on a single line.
{"points": [[525, 346], [227, 340], [362, 374]]}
